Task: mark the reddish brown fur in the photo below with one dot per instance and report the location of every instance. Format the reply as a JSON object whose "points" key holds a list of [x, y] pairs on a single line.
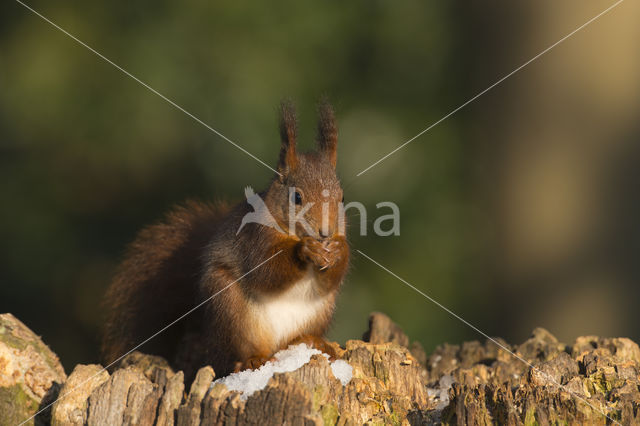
{"points": [[157, 281], [194, 254]]}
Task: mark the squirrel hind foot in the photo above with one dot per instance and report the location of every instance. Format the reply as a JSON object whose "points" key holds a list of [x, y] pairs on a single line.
{"points": [[317, 342], [252, 363]]}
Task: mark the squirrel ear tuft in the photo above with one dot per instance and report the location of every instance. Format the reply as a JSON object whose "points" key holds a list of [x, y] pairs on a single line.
{"points": [[288, 132], [327, 131]]}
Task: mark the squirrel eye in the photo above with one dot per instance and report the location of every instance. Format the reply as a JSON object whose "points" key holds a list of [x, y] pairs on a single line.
{"points": [[297, 198], [342, 199]]}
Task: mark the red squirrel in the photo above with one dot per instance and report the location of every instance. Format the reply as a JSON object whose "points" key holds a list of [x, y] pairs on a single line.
{"points": [[199, 249]]}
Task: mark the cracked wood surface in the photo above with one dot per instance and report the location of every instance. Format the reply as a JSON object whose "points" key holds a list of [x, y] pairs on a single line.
{"points": [[394, 382]]}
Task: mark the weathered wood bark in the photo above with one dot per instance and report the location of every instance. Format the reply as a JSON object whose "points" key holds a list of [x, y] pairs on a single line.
{"points": [[30, 373], [393, 383], [595, 381]]}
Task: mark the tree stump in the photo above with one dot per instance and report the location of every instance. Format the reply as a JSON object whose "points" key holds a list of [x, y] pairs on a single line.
{"points": [[594, 381], [30, 373]]}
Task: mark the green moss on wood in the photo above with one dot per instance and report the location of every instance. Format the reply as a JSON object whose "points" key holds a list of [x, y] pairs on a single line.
{"points": [[329, 414], [16, 406]]}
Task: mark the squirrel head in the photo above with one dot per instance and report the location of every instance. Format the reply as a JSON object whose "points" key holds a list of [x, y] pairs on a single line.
{"points": [[307, 185]]}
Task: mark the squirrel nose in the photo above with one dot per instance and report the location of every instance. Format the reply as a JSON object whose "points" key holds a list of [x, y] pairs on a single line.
{"points": [[322, 233]]}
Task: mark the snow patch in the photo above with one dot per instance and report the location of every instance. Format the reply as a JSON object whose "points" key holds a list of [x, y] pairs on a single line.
{"points": [[250, 381], [342, 370], [441, 392]]}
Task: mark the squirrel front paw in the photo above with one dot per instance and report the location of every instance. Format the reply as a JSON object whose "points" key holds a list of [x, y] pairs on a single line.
{"points": [[314, 252], [322, 254]]}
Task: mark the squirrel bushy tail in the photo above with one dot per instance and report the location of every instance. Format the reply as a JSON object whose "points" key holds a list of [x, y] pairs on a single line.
{"points": [[144, 297]]}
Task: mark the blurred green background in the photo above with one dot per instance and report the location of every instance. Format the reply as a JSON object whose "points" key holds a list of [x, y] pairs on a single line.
{"points": [[518, 211]]}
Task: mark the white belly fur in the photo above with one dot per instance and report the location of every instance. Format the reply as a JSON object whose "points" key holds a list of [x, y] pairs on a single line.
{"points": [[289, 313]]}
